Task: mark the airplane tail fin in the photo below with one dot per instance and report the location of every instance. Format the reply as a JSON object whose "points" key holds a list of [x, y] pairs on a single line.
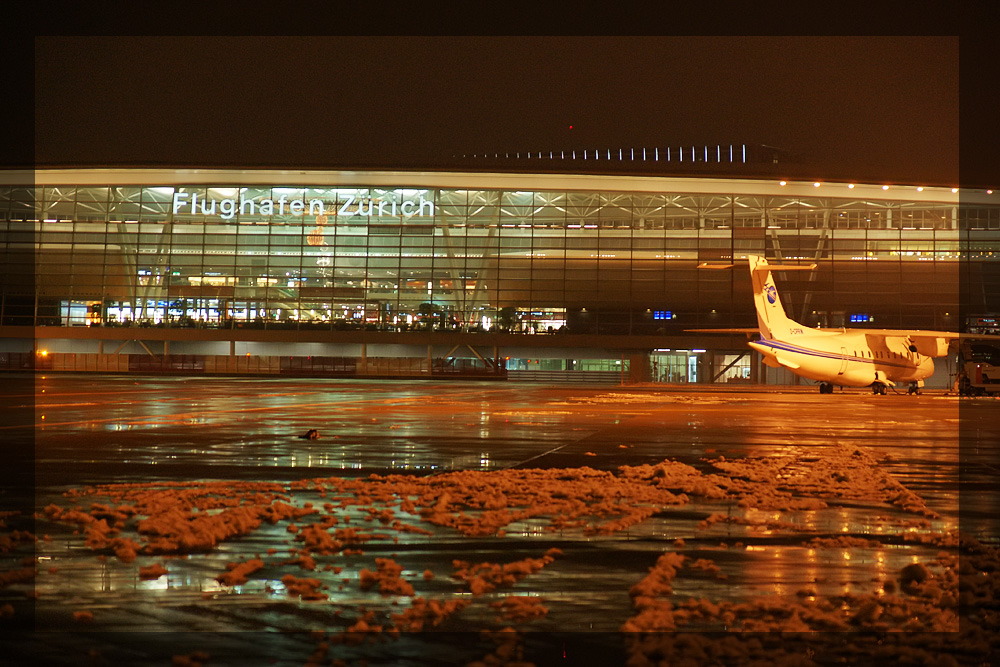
{"points": [[771, 316]]}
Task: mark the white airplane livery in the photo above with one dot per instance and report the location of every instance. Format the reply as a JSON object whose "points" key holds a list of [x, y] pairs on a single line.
{"points": [[876, 358]]}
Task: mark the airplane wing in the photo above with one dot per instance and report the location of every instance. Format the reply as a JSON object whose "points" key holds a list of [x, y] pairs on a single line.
{"points": [[899, 333], [929, 343], [914, 333]]}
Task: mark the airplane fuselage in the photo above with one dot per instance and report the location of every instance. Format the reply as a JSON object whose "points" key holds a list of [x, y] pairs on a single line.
{"points": [[849, 358]]}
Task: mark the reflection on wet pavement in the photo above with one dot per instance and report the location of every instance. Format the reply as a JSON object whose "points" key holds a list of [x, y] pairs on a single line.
{"points": [[424, 509]]}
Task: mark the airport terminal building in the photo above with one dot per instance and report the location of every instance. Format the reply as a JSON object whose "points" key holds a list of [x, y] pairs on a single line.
{"points": [[491, 274]]}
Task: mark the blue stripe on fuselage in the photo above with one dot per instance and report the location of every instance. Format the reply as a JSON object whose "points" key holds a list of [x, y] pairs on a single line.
{"points": [[788, 347]]}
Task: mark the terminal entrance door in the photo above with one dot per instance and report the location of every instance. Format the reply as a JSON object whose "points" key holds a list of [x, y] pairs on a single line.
{"points": [[673, 366]]}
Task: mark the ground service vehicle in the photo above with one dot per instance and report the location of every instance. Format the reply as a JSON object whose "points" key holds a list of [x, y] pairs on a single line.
{"points": [[978, 369]]}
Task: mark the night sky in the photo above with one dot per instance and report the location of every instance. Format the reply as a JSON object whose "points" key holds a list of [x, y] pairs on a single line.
{"points": [[848, 108]]}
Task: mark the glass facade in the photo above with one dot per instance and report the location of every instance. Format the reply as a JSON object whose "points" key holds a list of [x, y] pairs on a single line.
{"points": [[601, 259]]}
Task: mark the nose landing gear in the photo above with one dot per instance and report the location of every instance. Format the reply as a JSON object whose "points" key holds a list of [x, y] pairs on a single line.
{"points": [[825, 388]]}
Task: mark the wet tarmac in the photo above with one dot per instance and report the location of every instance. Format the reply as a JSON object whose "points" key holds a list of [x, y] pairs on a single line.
{"points": [[797, 502]]}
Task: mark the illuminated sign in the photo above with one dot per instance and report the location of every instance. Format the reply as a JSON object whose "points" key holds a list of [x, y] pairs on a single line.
{"points": [[189, 203]]}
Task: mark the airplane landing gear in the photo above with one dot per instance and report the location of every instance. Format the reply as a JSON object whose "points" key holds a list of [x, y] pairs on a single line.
{"points": [[825, 388], [878, 388], [913, 389]]}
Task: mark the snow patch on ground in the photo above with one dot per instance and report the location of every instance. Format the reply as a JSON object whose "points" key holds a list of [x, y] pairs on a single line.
{"points": [[776, 495]]}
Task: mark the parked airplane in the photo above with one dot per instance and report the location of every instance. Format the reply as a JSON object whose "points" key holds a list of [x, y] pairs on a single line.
{"points": [[878, 358]]}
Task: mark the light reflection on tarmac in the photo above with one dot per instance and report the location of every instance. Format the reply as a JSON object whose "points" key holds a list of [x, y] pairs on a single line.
{"points": [[112, 429]]}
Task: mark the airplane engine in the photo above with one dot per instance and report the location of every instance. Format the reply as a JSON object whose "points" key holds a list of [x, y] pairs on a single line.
{"points": [[930, 346]]}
